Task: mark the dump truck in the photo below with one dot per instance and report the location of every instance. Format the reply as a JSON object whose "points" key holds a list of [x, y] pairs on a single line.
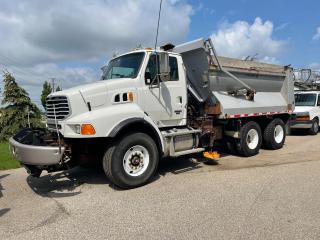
{"points": [[154, 103]]}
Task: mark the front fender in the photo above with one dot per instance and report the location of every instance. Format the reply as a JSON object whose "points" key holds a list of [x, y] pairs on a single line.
{"points": [[314, 113], [146, 120]]}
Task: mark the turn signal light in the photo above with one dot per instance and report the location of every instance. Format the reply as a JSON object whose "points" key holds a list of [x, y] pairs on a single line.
{"points": [[130, 96], [87, 129]]}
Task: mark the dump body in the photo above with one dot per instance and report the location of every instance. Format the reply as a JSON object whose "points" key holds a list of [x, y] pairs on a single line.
{"points": [[273, 84]]}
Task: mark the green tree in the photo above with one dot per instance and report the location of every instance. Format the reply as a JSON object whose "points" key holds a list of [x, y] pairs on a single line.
{"points": [[46, 90], [18, 111], [58, 89]]}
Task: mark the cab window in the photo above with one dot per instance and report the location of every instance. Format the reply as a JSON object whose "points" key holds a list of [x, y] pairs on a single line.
{"points": [[318, 100], [151, 70], [174, 73]]}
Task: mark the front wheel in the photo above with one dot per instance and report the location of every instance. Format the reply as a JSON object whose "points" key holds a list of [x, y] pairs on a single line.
{"points": [[132, 161], [315, 127], [250, 139]]}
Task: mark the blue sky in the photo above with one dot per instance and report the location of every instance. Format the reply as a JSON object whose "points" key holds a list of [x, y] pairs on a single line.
{"points": [[70, 40], [294, 21]]}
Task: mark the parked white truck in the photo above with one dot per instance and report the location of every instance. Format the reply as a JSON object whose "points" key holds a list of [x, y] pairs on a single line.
{"points": [[166, 103], [307, 111]]}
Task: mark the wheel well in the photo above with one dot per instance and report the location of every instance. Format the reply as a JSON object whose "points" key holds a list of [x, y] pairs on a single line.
{"points": [[263, 121], [143, 127]]}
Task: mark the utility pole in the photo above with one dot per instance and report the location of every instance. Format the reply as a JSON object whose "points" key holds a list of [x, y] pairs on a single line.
{"points": [[52, 84]]}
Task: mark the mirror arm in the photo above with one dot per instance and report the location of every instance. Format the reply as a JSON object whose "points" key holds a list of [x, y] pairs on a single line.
{"points": [[153, 80]]}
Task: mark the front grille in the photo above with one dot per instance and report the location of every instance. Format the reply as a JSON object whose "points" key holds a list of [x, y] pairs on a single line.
{"points": [[58, 105]]}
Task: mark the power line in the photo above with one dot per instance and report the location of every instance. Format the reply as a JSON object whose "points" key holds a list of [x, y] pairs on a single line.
{"points": [[52, 80], [14, 69], [10, 63]]}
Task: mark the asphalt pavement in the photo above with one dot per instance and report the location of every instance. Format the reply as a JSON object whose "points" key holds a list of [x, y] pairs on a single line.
{"points": [[275, 195]]}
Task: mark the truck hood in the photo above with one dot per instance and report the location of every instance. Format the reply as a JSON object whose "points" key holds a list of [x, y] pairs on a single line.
{"points": [[300, 109], [96, 93]]}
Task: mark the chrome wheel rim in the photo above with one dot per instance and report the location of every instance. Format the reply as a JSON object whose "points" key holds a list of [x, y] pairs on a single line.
{"points": [[252, 139], [136, 160], [278, 133]]}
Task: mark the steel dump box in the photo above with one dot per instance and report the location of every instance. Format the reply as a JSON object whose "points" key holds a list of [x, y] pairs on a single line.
{"points": [[223, 80]]}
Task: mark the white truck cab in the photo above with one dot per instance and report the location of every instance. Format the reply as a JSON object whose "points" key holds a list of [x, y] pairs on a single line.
{"points": [[127, 90], [307, 111]]}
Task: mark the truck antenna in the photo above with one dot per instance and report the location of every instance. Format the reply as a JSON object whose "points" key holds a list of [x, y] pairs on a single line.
{"points": [[155, 46]]}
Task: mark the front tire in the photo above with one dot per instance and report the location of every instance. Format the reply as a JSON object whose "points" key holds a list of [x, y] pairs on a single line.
{"points": [[250, 139], [132, 161], [274, 134], [315, 127]]}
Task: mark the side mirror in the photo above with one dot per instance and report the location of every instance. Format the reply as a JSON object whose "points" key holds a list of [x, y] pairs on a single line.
{"points": [[164, 67]]}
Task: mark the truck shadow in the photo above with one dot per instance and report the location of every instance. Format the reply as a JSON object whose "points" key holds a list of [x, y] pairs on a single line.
{"points": [[4, 210], [183, 164], [68, 183], [299, 132], [1, 188]]}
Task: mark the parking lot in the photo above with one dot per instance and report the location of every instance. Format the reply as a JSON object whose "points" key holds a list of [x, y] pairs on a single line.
{"points": [[274, 195]]}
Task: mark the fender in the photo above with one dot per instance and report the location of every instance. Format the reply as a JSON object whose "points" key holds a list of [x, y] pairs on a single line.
{"points": [[125, 123], [146, 121]]}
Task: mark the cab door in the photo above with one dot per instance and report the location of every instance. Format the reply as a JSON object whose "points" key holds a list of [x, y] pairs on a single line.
{"points": [[165, 102]]}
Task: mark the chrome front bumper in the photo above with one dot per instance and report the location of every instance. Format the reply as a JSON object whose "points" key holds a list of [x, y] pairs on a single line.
{"points": [[301, 124], [30, 149], [36, 155]]}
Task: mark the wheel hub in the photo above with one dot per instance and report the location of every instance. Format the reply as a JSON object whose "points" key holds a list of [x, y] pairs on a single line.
{"points": [[252, 139], [278, 133], [136, 160]]}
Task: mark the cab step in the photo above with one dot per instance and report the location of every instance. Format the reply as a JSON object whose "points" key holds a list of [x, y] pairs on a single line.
{"points": [[186, 152]]}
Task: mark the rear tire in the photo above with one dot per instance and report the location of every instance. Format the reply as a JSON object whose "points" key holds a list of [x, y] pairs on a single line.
{"points": [[132, 161], [315, 127], [250, 139], [274, 134]]}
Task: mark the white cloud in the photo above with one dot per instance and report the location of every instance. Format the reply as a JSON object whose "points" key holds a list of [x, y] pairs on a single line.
{"points": [[281, 27], [317, 35], [241, 39], [47, 31], [42, 39]]}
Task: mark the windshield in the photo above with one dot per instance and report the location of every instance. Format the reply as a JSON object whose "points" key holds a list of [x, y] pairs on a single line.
{"points": [[126, 66], [305, 99]]}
